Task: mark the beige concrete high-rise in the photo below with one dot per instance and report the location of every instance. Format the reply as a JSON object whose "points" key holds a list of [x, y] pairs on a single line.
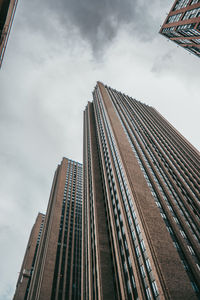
{"points": [[7, 12], [140, 203]]}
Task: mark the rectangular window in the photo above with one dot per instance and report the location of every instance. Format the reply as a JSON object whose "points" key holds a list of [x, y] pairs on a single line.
{"points": [[142, 245], [195, 287], [148, 293], [183, 233], [148, 265], [133, 235], [142, 271], [195, 1], [187, 30], [137, 251], [176, 245], [155, 289], [174, 18], [133, 280], [138, 228], [191, 250], [193, 13], [129, 286], [184, 41]]}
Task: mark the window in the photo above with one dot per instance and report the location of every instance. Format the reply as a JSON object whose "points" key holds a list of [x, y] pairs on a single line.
{"points": [[174, 18], [148, 293], [142, 245], [129, 286], [195, 287], [142, 271], [176, 245], [183, 233], [155, 289], [193, 13], [163, 215], [181, 3], [133, 280], [194, 2], [126, 246], [188, 30], [169, 229], [191, 250], [133, 235], [196, 41], [198, 267], [194, 50], [176, 220], [148, 265], [184, 41], [129, 261], [138, 228], [137, 251], [125, 267]]}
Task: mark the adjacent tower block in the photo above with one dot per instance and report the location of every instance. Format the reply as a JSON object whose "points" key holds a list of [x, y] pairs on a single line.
{"points": [[57, 270], [7, 12], [182, 25], [140, 203]]}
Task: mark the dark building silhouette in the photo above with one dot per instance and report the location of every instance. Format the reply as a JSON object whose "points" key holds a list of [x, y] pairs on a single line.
{"points": [[140, 203], [182, 25], [56, 273], [7, 12]]}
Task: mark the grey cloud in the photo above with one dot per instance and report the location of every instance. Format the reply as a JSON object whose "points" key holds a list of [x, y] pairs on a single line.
{"points": [[97, 21], [163, 62]]}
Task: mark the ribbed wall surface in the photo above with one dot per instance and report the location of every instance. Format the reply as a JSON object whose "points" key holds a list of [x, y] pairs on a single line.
{"points": [[150, 183], [57, 273]]}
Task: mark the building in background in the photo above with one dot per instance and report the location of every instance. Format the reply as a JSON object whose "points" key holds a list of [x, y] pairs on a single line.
{"points": [[7, 12], [140, 203], [27, 268], [182, 25], [57, 267]]}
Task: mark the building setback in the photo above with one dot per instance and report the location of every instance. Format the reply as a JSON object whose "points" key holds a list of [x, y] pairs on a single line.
{"points": [[57, 270], [140, 203], [7, 12], [182, 25], [27, 268]]}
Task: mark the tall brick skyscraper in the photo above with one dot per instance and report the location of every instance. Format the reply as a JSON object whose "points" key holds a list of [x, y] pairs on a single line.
{"points": [[141, 203], [56, 273], [7, 12], [182, 25], [136, 226]]}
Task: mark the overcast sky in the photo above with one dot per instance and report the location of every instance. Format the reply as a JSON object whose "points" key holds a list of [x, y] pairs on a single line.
{"points": [[56, 52]]}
